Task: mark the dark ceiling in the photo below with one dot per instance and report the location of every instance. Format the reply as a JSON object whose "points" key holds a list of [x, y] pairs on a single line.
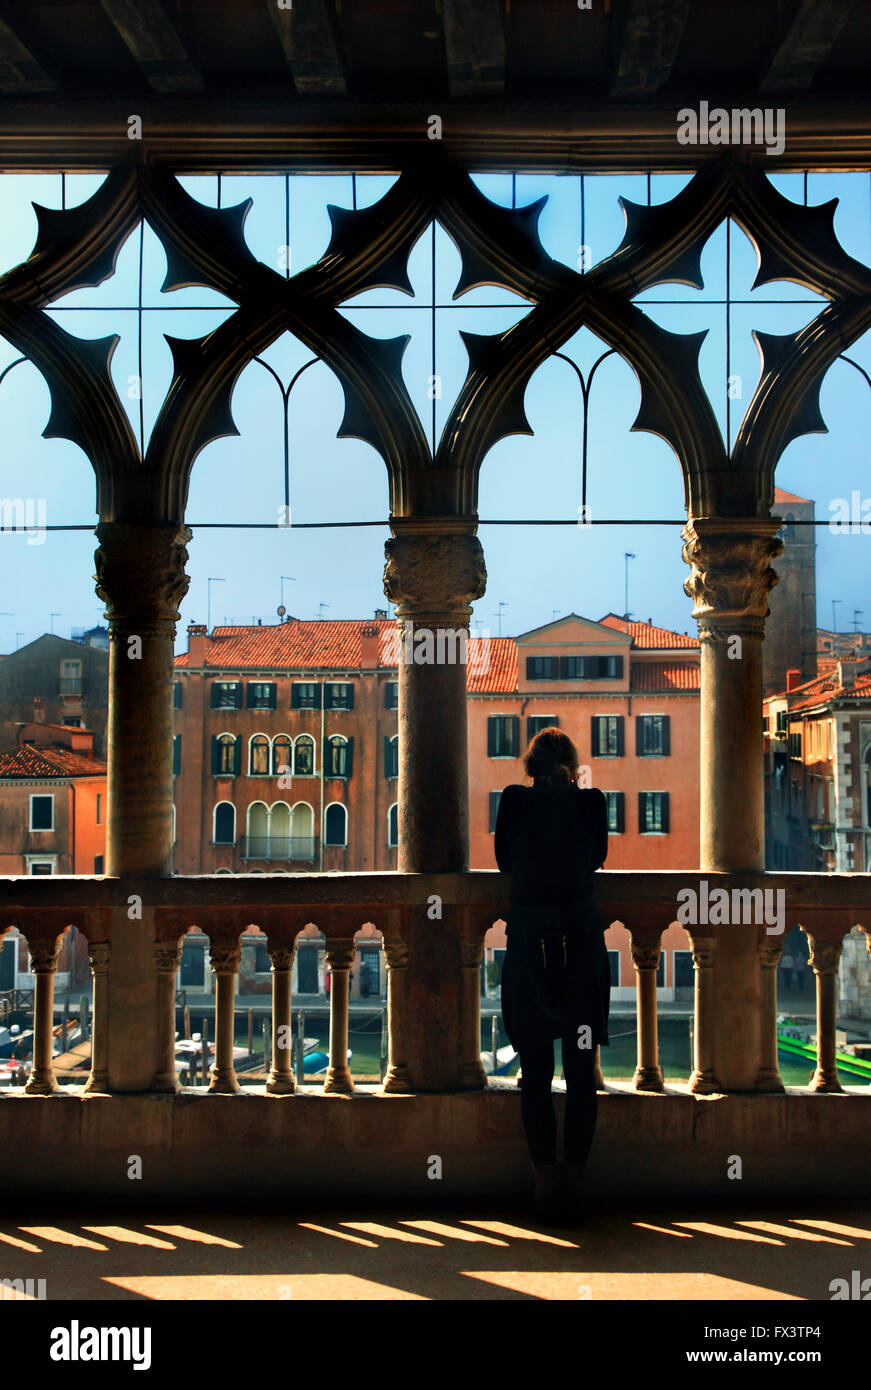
{"points": [[62, 62]]}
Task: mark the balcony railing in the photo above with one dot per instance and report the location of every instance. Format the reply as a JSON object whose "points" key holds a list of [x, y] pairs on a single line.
{"points": [[286, 847], [433, 965]]}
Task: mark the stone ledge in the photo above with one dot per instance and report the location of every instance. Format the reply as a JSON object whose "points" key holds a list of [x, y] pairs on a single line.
{"points": [[372, 1146]]}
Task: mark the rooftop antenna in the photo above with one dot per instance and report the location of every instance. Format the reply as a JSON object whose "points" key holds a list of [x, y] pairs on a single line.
{"points": [[321, 607], [289, 579], [857, 614], [834, 618], [52, 617], [502, 604]]}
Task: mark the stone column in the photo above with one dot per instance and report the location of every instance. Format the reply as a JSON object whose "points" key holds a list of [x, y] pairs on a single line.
{"points": [[703, 1080], [98, 955], [280, 1081], [474, 1077], [824, 959], [645, 958], [340, 958], [396, 1077], [730, 582], [768, 949], [435, 569], [167, 959], [225, 963], [141, 578], [43, 962]]}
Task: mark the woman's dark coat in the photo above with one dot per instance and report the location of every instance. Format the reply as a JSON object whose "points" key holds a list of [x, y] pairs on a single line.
{"points": [[555, 975]]}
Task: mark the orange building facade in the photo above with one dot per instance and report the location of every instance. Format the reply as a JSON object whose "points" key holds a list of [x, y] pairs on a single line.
{"points": [[286, 756], [627, 694]]}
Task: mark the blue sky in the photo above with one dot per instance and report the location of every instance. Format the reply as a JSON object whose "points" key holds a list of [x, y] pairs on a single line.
{"points": [[337, 573]]}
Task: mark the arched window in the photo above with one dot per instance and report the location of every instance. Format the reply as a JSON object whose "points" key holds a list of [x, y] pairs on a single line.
{"points": [[338, 751], [257, 833], [225, 823], [393, 825], [391, 756], [304, 756], [282, 755], [336, 825], [225, 755], [258, 756]]}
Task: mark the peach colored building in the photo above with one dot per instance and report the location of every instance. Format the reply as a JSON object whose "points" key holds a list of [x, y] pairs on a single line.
{"points": [[627, 694], [52, 821]]}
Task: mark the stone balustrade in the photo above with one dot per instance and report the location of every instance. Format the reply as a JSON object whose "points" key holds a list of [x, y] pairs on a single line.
{"points": [[433, 926]]}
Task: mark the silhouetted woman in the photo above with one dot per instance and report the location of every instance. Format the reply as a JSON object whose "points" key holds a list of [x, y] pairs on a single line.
{"points": [[551, 838]]}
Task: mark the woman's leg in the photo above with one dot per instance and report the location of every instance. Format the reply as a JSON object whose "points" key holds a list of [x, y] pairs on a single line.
{"points": [[536, 1103], [579, 1070]]}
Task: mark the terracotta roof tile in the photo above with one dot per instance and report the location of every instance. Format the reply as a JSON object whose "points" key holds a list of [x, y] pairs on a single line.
{"points": [[647, 636], [664, 675], [322, 644], [41, 763]]}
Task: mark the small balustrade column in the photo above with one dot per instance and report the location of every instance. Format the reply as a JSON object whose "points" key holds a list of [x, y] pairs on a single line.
{"points": [[98, 956], [225, 965], [703, 1080], [141, 578], [280, 1081], [824, 959], [730, 582], [474, 1077], [340, 958], [167, 960], [396, 1077], [645, 958], [43, 960], [768, 949]]}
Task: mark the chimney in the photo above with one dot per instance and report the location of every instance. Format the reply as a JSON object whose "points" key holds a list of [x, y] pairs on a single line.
{"points": [[793, 679], [846, 674], [380, 612], [196, 644], [38, 709], [370, 647]]}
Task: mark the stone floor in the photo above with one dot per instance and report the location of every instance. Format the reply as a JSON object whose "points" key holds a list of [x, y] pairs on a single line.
{"points": [[160, 1251]]}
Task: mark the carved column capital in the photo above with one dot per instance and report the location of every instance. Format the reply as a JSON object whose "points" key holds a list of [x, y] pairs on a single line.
{"points": [[824, 956], [645, 954], [340, 954], [224, 960], [435, 568], [768, 950], [281, 957], [99, 954], [704, 949], [731, 574], [141, 576], [167, 957], [396, 949], [43, 956]]}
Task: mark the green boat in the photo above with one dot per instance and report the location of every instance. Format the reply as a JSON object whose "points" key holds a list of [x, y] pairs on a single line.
{"points": [[855, 1069]]}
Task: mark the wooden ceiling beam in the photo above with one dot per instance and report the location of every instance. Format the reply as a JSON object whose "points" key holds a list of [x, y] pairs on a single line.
{"points": [[20, 71], [804, 41], [475, 47], [645, 39], [309, 39], [153, 40]]}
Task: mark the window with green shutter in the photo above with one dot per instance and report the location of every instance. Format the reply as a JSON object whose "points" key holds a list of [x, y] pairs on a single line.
{"points": [[652, 736], [606, 735], [536, 722], [503, 736], [176, 754], [226, 694], [391, 757], [495, 798], [305, 695], [260, 695]]}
